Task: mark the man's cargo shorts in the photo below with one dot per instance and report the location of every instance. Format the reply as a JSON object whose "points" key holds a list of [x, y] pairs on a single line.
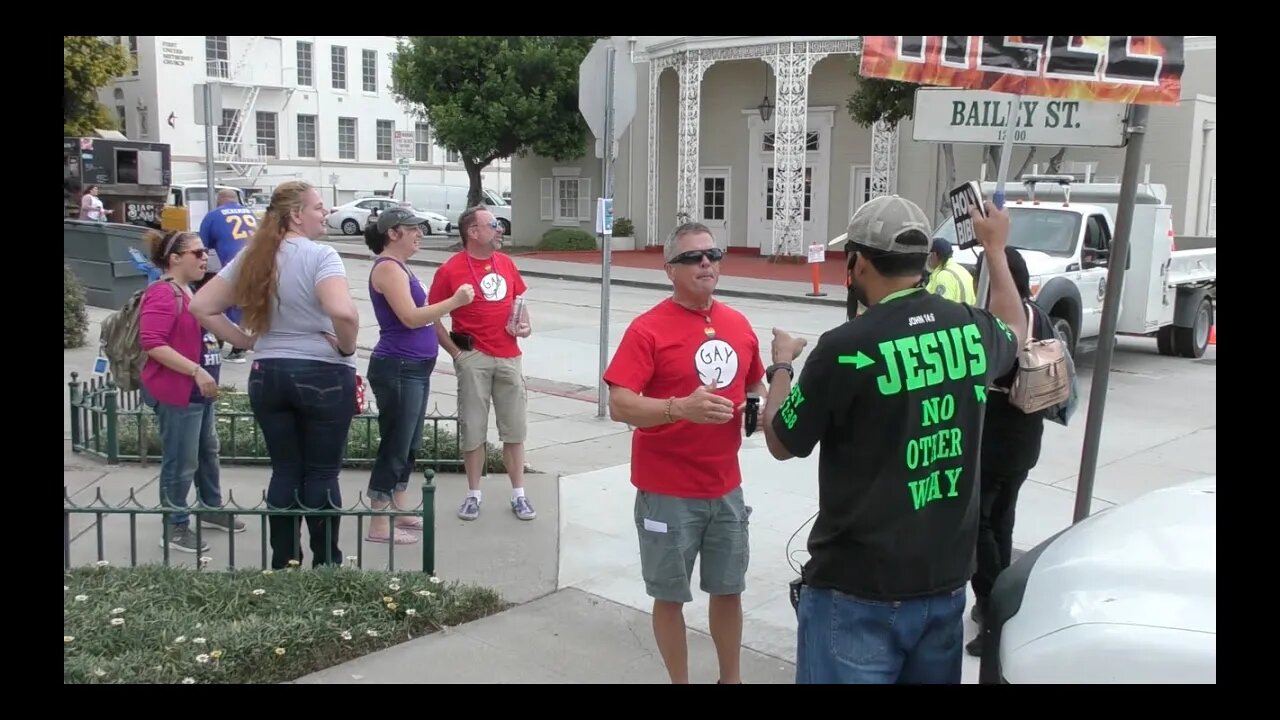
{"points": [[674, 531]]}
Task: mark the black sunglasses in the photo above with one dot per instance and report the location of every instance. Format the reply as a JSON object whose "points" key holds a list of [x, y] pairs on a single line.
{"points": [[694, 257]]}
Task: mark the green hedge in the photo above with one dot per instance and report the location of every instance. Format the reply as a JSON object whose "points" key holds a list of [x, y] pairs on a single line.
{"points": [[623, 227], [567, 239], [362, 440]]}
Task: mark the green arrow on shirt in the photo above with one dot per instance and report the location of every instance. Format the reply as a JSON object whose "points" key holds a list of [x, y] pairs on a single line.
{"points": [[859, 361]]}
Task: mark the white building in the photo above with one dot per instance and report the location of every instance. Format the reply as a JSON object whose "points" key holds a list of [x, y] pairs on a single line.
{"points": [[316, 108], [702, 147]]}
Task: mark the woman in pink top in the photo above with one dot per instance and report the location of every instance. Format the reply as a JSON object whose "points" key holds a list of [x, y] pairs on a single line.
{"points": [[179, 382], [91, 207]]}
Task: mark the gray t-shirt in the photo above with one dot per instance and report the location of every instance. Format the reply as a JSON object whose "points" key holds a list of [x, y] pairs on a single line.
{"points": [[298, 320]]}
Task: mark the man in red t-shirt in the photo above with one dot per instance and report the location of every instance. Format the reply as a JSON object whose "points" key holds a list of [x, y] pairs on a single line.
{"points": [[681, 377], [486, 355]]}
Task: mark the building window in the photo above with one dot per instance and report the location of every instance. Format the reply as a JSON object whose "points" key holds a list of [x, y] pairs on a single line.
{"points": [[267, 134], [810, 142], [121, 113], [307, 136], [369, 70], [130, 42], [226, 129], [713, 200], [452, 156], [346, 138], [338, 62], [306, 56], [566, 199], [217, 56], [386, 128], [422, 142]]}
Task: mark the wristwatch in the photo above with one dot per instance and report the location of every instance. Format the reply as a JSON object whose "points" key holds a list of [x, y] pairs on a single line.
{"points": [[769, 371]]}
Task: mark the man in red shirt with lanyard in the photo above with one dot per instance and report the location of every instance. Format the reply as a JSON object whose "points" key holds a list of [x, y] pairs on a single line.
{"points": [[681, 377], [486, 355]]}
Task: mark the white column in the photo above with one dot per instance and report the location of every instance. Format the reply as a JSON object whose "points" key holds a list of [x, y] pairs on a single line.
{"points": [[884, 159], [654, 235], [791, 66], [691, 68]]}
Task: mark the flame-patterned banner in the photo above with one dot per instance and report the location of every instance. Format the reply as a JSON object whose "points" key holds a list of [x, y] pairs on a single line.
{"points": [[1135, 69]]}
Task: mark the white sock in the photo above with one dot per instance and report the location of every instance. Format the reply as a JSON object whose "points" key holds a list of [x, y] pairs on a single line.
{"points": [[516, 493], [475, 494]]}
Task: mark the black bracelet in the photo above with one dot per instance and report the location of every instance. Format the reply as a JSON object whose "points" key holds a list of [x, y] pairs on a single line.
{"points": [[769, 371]]}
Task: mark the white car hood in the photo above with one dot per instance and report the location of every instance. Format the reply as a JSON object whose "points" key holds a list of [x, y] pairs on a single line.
{"points": [[1151, 562], [1038, 263]]}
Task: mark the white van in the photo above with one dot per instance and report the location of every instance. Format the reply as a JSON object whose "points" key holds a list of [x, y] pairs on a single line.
{"points": [[451, 200]]}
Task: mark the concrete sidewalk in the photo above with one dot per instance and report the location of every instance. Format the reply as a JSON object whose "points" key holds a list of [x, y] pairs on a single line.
{"points": [[570, 637], [729, 286]]}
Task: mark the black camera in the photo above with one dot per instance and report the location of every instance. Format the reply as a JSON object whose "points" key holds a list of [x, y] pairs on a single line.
{"points": [[751, 415]]}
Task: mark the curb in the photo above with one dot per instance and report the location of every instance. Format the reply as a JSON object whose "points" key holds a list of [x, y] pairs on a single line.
{"points": [[748, 294]]}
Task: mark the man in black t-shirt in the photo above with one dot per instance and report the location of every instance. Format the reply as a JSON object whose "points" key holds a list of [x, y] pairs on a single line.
{"points": [[896, 398]]}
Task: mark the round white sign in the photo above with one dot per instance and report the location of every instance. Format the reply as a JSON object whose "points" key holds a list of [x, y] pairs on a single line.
{"points": [[493, 287], [716, 363]]}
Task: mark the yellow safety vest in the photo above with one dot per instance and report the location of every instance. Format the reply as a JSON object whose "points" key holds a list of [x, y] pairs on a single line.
{"points": [[953, 282]]}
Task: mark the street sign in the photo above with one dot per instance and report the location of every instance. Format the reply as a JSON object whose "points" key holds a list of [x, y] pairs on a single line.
{"points": [[215, 104], [947, 115], [403, 144], [604, 216], [403, 163], [591, 89]]}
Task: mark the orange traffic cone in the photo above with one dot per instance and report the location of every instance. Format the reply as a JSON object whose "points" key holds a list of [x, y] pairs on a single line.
{"points": [[1213, 334]]}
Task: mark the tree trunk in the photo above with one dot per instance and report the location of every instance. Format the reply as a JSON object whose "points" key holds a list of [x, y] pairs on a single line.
{"points": [[1031, 155], [1055, 162], [949, 172], [473, 172]]}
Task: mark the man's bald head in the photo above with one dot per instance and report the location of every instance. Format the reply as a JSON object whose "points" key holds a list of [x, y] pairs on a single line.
{"points": [[227, 196]]}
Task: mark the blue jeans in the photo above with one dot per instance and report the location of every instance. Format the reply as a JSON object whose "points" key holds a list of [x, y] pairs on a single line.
{"points": [[304, 408], [847, 640], [401, 387], [188, 452]]}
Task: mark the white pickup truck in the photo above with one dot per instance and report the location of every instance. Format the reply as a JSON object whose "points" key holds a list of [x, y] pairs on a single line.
{"points": [[1065, 238]]}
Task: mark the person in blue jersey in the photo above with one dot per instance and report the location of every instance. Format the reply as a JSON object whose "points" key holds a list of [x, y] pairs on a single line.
{"points": [[225, 231]]}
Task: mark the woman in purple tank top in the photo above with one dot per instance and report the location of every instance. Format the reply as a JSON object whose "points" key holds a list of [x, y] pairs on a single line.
{"points": [[401, 364]]}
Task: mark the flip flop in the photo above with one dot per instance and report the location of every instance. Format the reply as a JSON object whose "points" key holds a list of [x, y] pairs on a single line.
{"points": [[402, 538], [412, 524]]}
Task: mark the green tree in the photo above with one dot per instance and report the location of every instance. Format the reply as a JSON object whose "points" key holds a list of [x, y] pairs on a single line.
{"points": [[89, 64], [491, 97]]}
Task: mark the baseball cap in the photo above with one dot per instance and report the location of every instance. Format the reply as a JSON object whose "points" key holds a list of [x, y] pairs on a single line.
{"points": [[880, 222], [397, 216], [942, 247]]}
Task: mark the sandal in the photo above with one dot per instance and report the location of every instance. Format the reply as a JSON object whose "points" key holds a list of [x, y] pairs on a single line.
{"points": [[412, 524], [402, 538]]}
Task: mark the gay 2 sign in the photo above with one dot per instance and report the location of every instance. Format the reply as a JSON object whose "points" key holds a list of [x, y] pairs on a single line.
{"points": [[1135, 69]]}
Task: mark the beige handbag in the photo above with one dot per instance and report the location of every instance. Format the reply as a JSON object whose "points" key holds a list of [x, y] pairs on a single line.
{"points": [[1043, 379]]}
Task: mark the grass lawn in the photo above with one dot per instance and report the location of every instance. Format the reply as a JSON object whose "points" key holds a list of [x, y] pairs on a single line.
{"points": [[172, 625]]}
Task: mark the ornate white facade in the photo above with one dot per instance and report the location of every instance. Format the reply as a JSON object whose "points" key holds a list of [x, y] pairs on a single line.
{"points": [[791, 61]]}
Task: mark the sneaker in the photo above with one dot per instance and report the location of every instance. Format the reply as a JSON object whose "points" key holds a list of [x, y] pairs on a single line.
{"points": [[523, 510], [183, 540], [470, 509], [221, 521], [235, 356]]}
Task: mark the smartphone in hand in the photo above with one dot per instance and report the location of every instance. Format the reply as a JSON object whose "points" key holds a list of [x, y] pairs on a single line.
{"points": [[751, 414], [968, 195]]}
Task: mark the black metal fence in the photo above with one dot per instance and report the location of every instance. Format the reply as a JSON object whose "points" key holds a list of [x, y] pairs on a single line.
{"points": [[116, 426]]}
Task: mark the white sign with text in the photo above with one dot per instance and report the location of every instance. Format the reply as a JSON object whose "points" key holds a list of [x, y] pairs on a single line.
{"points": [[949, 115]]}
